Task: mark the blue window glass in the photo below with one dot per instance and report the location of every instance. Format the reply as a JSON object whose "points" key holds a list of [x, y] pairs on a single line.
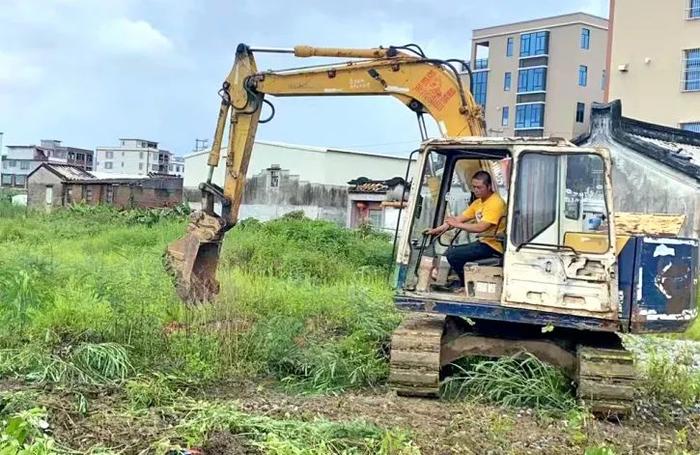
{"points": [[506, 81], [505, 113], [694, 10], [480, 86], [582, 75], [532, 80], [529, 116], [532, 44], [481, 63], [585, 38], [692, 70], [509, 46], [580, 112], [692, 126]]}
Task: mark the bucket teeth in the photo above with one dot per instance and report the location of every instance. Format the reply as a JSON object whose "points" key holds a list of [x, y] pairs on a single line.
{"points": [[192, 259]]}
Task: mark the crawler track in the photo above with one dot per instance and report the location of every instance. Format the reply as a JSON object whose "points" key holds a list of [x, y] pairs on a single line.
{"points": [[415, 356], [606, 380]]}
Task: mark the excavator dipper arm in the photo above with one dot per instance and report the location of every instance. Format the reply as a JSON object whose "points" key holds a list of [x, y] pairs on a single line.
{"points": [[424, 85]]}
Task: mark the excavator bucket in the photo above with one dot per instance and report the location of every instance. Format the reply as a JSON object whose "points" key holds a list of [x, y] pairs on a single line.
{"points": [[192, 259]]}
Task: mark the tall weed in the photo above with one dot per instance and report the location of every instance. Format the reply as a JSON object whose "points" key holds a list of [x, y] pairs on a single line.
{"points": [[522, 381], [303, 301]]}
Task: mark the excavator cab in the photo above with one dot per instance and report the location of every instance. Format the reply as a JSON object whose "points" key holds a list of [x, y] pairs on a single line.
{"points": [[557, 237]]}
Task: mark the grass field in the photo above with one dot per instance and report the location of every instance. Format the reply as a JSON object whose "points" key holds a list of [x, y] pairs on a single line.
{"points": [[90, 326]]}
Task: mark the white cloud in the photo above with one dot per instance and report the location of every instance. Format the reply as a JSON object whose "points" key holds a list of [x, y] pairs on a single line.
{"points": [[596, 7], [16, 71], [131, 37]]}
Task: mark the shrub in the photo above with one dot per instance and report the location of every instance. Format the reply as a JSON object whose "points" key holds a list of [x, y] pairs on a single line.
{"points": [[76, 312], [146, 392], [670, 379], [522, 381]]}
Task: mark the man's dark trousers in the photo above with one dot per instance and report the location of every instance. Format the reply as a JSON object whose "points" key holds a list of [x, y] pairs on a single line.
{"points": [[459, 255]]}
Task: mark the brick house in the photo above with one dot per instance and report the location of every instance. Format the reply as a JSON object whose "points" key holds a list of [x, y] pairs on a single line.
{"points": [[376, 202], [55, 185]]}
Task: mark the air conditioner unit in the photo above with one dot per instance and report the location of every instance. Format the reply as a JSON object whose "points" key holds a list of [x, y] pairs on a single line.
{"points": [[623, 68]]}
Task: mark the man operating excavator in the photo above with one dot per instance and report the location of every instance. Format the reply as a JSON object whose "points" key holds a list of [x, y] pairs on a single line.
{"points": [[485, 217]]}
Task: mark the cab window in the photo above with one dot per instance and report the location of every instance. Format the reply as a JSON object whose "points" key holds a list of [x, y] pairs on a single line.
{"points": [[560, 202]]}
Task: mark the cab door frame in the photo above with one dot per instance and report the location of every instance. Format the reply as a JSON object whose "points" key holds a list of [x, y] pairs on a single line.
{"points": [[553, 277]]}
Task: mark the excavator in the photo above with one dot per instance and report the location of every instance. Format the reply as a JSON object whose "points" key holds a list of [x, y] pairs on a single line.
{"points": [[574, 273]]}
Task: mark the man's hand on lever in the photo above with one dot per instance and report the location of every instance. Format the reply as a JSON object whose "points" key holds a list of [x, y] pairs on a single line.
{"points": [[439, 230]]}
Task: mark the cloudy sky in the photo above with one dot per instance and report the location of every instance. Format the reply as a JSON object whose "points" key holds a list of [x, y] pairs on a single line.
{"points": [[90, 71]]}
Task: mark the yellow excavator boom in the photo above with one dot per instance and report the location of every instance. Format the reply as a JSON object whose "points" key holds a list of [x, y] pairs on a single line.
{"points": [[424, 85]]}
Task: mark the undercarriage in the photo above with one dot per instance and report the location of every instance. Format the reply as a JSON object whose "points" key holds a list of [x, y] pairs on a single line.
{"points": [[602, 369]]}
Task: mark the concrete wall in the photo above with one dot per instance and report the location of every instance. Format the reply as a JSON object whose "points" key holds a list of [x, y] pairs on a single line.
{"points": [[264, 201], [292, 191], [641, 184], [649, 36], [311, 164], [37, 188], [562, 89]]}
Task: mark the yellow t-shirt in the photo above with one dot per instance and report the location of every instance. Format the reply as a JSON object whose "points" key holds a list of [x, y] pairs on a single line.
{"points": [[491, 211]]}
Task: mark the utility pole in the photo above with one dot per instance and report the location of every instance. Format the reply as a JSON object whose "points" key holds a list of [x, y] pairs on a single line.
{"points": [[200, 141]]}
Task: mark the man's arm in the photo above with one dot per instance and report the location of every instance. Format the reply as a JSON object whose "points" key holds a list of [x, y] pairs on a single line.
{"points": [[475, 228], [459, 219], [492, 213]]}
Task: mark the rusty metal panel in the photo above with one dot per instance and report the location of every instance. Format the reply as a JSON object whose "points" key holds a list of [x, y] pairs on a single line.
{"points": [[648, 223], [665, 284]]}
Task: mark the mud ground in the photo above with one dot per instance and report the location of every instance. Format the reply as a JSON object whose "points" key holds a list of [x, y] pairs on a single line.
{"points": [[435, 426]]}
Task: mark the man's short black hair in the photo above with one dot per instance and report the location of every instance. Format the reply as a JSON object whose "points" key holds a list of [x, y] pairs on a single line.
{"points": [[484, 176]]}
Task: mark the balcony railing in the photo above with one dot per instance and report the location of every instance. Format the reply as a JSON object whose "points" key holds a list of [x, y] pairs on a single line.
{"points": [[481, 63]]}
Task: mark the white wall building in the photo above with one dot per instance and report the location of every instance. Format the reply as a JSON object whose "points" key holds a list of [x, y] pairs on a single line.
{"points": [[177, 166], [312, 164], [20, 160], [133, 156]]}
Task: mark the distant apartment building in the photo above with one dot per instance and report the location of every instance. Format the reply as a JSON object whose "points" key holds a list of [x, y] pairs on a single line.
{"points": [[21, 160], [540, 77], [654, 60], [177, 166], [133, 157]]}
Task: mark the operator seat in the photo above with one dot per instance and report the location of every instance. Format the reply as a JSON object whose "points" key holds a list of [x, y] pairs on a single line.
{"points": [[492, 262]]}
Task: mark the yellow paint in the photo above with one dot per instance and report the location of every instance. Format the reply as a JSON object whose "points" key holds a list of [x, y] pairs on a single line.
{"points": [[434, 87], [593, 242], [649, 223]]}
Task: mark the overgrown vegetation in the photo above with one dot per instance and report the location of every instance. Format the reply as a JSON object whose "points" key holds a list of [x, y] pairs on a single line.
{"points": [[522, 381], [86, 301], [87, 309], [303, 301]]}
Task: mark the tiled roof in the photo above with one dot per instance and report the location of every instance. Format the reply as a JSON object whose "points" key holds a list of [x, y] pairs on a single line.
{"points": [[675, 148], [365, 185], [68, 171]]}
